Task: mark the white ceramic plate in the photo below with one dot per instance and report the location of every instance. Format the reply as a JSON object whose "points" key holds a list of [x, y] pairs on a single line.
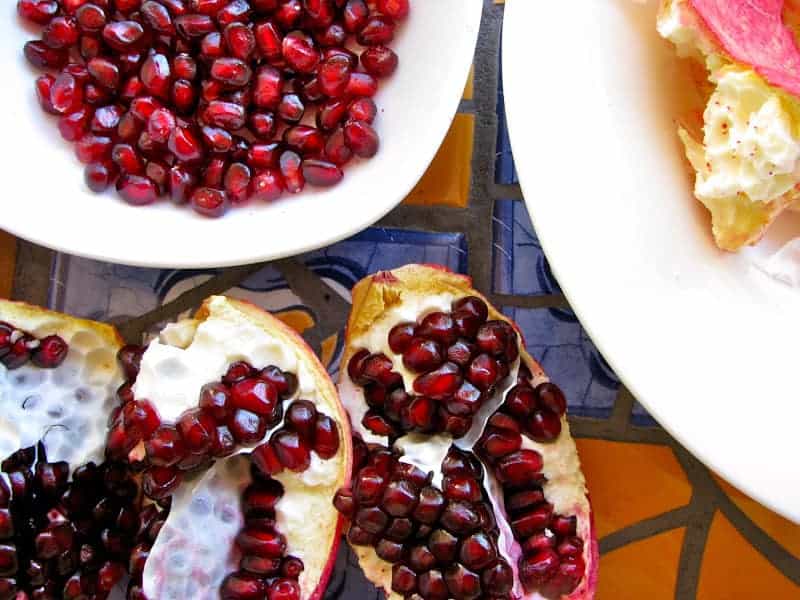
{"points": [[47, 202], [704, 339]]}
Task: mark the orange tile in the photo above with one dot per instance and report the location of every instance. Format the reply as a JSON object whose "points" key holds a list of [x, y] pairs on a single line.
{"points": [[631, 482], [446, 183], [299, 320], [646, 569], [8, 255], [733, 570], [469, 89], [779, 529]]}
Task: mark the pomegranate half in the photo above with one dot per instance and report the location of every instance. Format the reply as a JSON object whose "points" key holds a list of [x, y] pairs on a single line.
{"points": [[232, 416], [466, 481]]}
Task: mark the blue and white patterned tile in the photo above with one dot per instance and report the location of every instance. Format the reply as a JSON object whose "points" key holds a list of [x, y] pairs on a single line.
{"points": [[505, 171], [520, 266], [556, 339]]}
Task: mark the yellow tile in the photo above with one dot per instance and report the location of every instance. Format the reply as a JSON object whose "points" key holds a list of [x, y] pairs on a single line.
{"points": [[631, 482], [734, 570], [781, 530], [8, 255], [446, 183], [469, 89], [647, 569]]}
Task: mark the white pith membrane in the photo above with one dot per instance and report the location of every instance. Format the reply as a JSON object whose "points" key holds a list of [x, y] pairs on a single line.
{"points": [[564, 487], [67, 407], [195, 550]]}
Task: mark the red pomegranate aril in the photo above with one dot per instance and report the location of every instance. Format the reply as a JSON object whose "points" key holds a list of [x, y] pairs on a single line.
{"points": [[106, 119], [243, 586], [247, 427], [441, 383], [292, 172], [196, 429], [141, 418], [550, 397], [255, 395], [532, 522], [42, 56], [161, 125], [390, 551], [212, 46], [75, 125], [93, 148], [404, 580], [260, 566], [91, 18], [44, 85], [266, 460], [369, 486], [227, 115], [181, 184], [372, 520], [379, 61], [165, 447], [209, 202], [543, 426], [355, 15], [520, 468], [307, 141], [100, 175], [361, 84], [496, 338], [240, 40], [156, 74], [238, 371], [237, 182], [104, 72], [459, 518], [262, 124], [191, 26], [234, 11], [521, 401], [137, 190], [299, 51], [326, 437], [290, 108], [184, 67], [269, 40], [437, 326], [345, 502], [477, 551], [461, 488], [283, 589], [217, 139], [61, 32], [498, 444], [331, 114], [127, 159], [422, 355], [399, 499], [430, 506], [535, 570], [334, 74], [160, 482], [184, 96], [185, 146], [361, 138], [266, 186], [123, 36], [66, 94], [207, 7], [264, 156], [292, 451], [333, 35], [231, 72], [38, 11], [362, 109], [321, 173]]}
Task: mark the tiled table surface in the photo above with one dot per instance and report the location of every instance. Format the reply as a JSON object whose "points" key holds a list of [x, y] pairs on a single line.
{"points": [[669, 528]]}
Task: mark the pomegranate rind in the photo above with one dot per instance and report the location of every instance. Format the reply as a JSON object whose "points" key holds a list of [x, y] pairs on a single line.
{"points": [[372, 298], [90, 368], [752, 32], [327, 524]]}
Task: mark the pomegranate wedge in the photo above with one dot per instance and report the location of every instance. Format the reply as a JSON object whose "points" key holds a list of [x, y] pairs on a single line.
{"points": [[233, 416], [466, 481]]}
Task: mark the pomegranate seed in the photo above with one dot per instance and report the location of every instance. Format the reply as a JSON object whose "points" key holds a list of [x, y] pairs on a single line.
{"points": [[141, 419], [521, 401], [104, 72], [106, 119], [362, 109], [160, 482], [44, 86], [291, 109], [247, 427], [181, 184], [183, 96], [209, 202], [155, 75], [404, 580], [550, 397], [255, 395], [66, 94], [291, 170], [361, 139], [288, 13], [333, 35], [331, 114], [93, 148], [390, 551], [377, 31], [123, 36], [520, 467], [43, 57], [143, 107], [127, 159], [379, 61], [262, 124], [243, 586], [184, 67], [185, 146], [75, 125], [240, 40], [38, 11], [336, 149], [321, 173], [191, 26], [267, 186], [291, 450], [334, 76], [441, 383], [269, 40], [284, 589], [234, 11], [543, 426], [299, 51], [302, 416], [225, 114], [306, 140], [361, 84], [214, 399], [61, 32], [100, 175], [266, 460], [344, 502], [396, 9], [231, 72], [137, 190], [537, 569], [237, 182], [355, 15]]}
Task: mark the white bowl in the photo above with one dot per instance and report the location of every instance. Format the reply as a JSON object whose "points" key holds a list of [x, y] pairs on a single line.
{"points": [[705, 340], [47, 202]]}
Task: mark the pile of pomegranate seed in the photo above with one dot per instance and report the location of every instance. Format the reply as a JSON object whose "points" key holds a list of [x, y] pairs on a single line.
{"points": [[238, 410], [61, 538], [151, 520], [442, 543], [213, 102], [17, 347], [552, 560], [460, 358], [265, 570]]}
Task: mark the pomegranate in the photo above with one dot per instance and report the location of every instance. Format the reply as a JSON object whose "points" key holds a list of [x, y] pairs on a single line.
{"points": [[466, 481], [189, 88], [247, 437]]}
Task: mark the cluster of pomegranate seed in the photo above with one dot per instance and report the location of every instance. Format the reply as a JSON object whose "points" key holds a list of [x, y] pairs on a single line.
{"points": [[61, 538], [304, 430], [265, 570], [459, 357], [151, 520], [213, 102], [17, 347], [236, 411], [442, 543]]}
